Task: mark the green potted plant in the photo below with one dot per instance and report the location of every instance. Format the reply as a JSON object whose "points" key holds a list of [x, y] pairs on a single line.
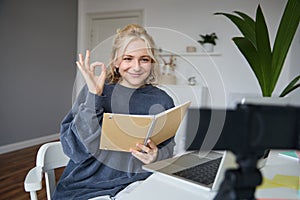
{"points": [[208, 41], [267, 63]]}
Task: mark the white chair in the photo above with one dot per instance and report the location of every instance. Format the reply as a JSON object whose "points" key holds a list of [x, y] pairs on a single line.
{"points": [[50, 156]]}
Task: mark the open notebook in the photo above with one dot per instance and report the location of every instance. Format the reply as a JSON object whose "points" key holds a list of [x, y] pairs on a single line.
{"points": [[120, 132]]}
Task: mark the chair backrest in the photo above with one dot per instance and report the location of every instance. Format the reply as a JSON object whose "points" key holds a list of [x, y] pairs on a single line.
{"points": [[50, 157]]}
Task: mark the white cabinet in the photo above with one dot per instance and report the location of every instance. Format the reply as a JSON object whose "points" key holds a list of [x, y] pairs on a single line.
{"points": [[180, 94]]}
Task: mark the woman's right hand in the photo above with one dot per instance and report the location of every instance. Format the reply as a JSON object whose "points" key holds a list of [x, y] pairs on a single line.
{"points": [[95, 83]]}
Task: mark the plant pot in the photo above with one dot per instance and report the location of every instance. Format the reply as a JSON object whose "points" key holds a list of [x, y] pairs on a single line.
{"points": [[266, 101], [251, 99], [208, 47]]}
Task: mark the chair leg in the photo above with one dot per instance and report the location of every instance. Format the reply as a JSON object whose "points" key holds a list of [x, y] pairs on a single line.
{"points": [[33, 195], [50, 183]]}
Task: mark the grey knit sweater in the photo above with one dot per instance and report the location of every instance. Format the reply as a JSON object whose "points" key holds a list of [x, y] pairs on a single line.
{"points": [[93, 172]]}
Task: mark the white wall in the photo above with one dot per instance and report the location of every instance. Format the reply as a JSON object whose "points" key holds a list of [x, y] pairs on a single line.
{"points": [[295, 65], [224, 75]]}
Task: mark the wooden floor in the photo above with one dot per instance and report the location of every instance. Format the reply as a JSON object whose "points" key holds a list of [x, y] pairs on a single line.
{"points": [[13, 169]]}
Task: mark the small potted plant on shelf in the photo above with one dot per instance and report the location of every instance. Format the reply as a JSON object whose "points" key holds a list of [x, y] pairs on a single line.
{"points": [[208, 41]]}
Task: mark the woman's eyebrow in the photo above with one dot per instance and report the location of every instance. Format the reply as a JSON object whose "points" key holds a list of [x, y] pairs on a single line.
{"points": [[128, 55]]}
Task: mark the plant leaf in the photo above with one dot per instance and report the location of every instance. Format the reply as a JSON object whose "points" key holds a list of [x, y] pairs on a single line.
{"points": [[243, 25], [251, 24], [264, 50], [250, 53], [291, 86], [285, 34]]}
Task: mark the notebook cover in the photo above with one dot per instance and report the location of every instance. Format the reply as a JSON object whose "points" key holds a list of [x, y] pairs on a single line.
{"points": [[120, 132]]}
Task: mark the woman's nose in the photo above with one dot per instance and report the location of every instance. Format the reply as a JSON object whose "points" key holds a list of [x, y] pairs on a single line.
{"points": [[136, 64]]}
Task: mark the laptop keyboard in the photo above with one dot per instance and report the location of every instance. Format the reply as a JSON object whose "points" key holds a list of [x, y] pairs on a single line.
{"points": [[203, 173]]}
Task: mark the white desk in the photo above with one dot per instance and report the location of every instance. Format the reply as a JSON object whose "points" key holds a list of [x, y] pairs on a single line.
{"points": [[159, 187]]}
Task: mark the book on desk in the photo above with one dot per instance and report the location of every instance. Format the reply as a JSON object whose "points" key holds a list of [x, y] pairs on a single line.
{"points": [[120, 132], [292, 154]]}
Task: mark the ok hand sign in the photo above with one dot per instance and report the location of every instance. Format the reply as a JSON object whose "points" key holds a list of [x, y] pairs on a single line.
{"points": [[95, 83]]}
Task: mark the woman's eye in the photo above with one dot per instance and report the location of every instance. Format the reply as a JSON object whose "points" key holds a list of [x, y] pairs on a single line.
{"points": [[127, 58], [145, 60], [141, 60]]}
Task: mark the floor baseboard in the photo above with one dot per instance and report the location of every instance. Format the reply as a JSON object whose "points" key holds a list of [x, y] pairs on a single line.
{"points": [[28, 143]]}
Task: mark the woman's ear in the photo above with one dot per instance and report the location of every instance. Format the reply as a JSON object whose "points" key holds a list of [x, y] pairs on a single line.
{"points": [[116, 69]]}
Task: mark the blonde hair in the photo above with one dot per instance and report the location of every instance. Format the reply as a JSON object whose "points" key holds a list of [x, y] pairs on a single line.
{"points": [[125, 36]]}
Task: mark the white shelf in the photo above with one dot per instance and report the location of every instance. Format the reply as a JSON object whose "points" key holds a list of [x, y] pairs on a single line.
{"points": [[190, 54]]}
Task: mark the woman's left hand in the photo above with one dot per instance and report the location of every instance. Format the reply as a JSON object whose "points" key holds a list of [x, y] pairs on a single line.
{"points": [[148, 154]]}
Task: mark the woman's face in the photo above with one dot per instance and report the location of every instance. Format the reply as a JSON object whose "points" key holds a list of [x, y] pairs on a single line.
{"points": [[135, 65]]}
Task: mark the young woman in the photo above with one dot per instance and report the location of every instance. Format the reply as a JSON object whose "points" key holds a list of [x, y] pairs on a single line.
{"points": [[128, 88]]}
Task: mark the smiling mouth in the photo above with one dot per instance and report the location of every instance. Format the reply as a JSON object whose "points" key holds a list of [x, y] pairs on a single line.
{"points": [[135, 75]]}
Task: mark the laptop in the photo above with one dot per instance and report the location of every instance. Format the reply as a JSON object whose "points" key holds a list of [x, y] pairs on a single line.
{"points": [[214, 163], [182, 168]]}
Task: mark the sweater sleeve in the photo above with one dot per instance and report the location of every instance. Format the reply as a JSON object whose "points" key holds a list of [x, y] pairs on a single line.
{"points": [[81, 128], [166, 149]]}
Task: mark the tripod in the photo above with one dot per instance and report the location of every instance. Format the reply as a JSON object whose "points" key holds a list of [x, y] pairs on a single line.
{"points": [[241, 183]]}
